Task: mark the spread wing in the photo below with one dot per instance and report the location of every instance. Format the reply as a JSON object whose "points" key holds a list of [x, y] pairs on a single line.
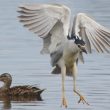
{"points": [[92, 33], [49, 21]]}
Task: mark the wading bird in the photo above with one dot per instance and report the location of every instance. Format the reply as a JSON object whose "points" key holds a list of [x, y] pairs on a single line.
{"points": [[18, 92], [65, 42]]}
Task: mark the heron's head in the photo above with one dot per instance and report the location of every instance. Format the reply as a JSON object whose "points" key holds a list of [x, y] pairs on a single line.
{"points": [[6, 79], [79, 42]]}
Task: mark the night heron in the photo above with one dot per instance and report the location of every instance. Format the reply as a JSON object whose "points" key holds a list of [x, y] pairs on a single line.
{"points": [[64, 40]]}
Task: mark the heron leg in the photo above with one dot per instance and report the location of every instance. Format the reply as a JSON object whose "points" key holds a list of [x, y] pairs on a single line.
{"points": [[63, 73], [82, 99]]}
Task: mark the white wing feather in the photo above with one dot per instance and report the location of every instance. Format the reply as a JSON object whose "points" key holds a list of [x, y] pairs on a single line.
{"points": [[92, 33], [43, 19]]}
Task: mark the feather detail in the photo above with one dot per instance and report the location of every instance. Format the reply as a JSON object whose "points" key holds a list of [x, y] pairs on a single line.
{"points": [[95, 35]]}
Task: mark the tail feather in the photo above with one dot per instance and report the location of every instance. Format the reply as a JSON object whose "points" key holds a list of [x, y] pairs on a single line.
{"points": [[57, 70], [40, 91]]}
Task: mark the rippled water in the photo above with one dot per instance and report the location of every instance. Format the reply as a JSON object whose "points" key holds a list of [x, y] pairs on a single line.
{"points": [[20, 56]]}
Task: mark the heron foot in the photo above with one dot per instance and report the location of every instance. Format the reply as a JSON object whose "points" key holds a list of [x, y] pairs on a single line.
{"points": [[82, 99], [64, 102]]}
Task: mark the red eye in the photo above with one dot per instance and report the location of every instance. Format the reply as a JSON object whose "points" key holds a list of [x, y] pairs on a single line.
{"points": [[79, 46]]}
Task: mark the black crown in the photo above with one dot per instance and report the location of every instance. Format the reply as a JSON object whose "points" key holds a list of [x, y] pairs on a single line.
{"points": [[76, 38]]}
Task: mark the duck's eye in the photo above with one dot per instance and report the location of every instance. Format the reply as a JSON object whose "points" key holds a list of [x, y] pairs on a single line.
{"points": [[3, 76]]}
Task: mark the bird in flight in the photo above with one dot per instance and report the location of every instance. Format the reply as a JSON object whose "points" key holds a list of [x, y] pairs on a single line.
{"points": [[65, 38]]}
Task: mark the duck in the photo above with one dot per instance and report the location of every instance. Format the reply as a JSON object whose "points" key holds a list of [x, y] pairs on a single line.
{"points": [[24, 91]]}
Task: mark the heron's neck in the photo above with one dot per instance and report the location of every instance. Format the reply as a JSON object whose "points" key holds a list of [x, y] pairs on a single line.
{"points": [[72, 46]]}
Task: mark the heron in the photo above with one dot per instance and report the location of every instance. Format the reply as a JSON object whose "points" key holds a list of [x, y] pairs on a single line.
{"points": [[65, 38]]}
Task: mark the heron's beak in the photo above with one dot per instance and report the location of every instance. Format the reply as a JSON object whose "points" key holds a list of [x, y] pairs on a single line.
{"points": [[83, 49]]}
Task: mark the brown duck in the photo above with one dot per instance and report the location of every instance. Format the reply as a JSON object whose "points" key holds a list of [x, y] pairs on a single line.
{"points": [[25, 91]]}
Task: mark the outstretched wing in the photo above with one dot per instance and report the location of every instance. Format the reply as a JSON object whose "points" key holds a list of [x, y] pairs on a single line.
{"points": [[92, 33], [43, 19]]}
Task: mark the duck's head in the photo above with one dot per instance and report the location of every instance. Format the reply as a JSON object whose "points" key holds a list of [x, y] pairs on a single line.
{"points": [[6, 79]]}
